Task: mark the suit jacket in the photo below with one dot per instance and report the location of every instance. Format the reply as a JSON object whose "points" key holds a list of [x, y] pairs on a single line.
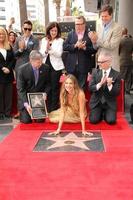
{"points": [[110, 42], [78, 56], [26, 82], [55, 53], [125, 51], [9, 62], [23, 57], [109, 96]]}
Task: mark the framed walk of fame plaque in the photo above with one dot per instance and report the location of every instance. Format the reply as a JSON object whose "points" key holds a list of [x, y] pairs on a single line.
{"points": [[38, 105]]}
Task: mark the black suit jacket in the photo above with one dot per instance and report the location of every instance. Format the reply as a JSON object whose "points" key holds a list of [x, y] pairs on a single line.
{"points": [[80, 56], [109, 96], [9, 62], [26, 82]]}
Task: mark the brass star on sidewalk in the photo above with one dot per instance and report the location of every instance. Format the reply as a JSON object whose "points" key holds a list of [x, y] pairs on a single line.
{"points": [[70, 139]]}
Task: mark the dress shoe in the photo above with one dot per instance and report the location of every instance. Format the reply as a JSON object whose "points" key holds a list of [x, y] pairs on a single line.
{"points": [[127, 92], [2, 116], [8, 116]]}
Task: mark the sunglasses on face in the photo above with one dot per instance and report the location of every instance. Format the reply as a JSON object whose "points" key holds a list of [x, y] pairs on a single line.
{"points": [[27, 29]]}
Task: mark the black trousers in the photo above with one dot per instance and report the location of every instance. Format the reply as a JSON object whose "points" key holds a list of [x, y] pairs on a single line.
{"points": [[81, 77], [53, 99], [6, 90], [102, 111], [126, 74]]}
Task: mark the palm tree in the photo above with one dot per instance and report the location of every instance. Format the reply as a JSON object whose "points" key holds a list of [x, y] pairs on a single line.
{"points": [[46, 11], [23, 11], [68, 8], [57, 2]]}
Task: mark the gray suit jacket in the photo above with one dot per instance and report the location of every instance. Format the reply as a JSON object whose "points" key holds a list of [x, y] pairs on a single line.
{"points": [[23, 57], [110, 96]]}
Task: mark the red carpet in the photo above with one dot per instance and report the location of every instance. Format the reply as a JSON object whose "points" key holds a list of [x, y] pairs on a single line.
{"points": [[27, 175], [77, 126]]}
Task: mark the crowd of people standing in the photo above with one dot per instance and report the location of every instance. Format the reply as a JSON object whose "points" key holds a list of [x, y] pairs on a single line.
{"points": [[37, 67]]}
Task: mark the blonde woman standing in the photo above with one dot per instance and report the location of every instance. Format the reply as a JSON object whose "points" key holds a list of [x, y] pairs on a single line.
{"points": [[7, 62]]}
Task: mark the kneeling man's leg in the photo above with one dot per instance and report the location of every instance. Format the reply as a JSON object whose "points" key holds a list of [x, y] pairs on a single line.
{"points": [[95, 115], [110, 116]]}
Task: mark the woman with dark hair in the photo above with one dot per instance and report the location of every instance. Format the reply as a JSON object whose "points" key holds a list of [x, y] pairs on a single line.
{"points": [[12, 38], [52, 49], [72, 105]]}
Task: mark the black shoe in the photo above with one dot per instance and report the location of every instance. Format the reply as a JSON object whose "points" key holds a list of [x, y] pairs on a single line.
{"points": [[40, 120], [2, 117], [8, 116], [127, 92]]}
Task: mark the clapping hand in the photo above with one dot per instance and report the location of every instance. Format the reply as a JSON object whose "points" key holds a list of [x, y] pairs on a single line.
{"points": [[93, 36], [103, 80], [80, 44], [5, 70], [21, 44], [109, 81]]}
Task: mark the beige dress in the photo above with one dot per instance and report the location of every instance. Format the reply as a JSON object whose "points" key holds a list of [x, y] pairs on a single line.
{"points": [[69, 117]]}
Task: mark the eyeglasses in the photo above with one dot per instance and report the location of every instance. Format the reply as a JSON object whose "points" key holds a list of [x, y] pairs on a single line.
{"points": [[79, 24], [101, 62], [27, 29]]}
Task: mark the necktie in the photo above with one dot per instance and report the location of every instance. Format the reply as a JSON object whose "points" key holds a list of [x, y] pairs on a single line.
{"points": [[36, 75], [102, 97], [104, 74]]}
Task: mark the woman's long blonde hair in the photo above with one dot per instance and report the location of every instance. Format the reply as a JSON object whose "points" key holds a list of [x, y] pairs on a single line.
{"points": [[6, 44], [64, 94]]}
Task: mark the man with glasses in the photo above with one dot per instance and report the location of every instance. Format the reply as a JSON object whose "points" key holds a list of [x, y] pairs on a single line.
{"points": [[33, 77], [24, 45], [80, 49], [104, 87]]}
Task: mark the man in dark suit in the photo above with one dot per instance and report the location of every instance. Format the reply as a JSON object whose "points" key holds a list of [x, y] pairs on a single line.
{"points": [[126, 62], [104, 86], [80, 49], [32, 77]]}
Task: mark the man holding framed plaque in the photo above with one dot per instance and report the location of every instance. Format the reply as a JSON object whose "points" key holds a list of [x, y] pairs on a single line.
{"points": [[33, 89]]}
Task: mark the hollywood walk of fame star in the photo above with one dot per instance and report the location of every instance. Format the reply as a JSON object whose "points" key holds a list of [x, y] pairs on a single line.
{"points": [[70, 139], [37, 102]]}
